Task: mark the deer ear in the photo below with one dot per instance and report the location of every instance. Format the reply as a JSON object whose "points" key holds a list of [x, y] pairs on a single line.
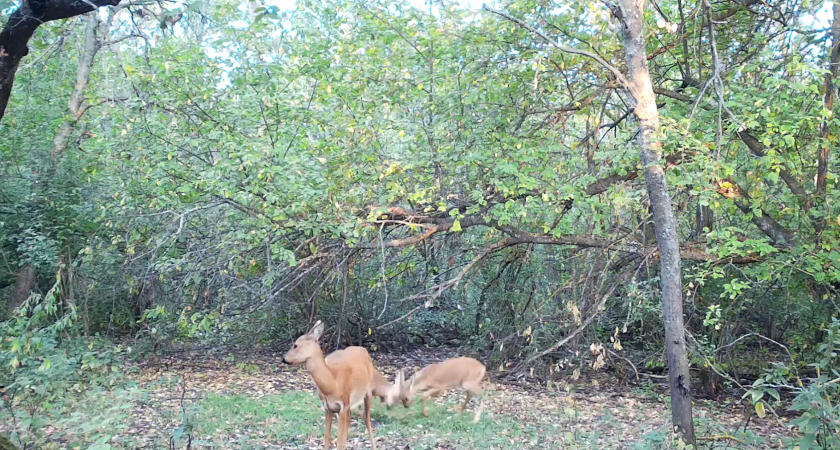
{"points": [[400, 379], [316, 330]]}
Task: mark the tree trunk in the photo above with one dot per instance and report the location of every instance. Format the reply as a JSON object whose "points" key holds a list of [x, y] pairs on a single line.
{"points": [[631, 14], [93, 42], [21, 26], [828, 102], [24, 283]]}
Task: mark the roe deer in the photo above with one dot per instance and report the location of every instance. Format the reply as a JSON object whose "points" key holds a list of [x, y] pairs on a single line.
{"points": [[432, 380], [345, 379], [389, 393]]}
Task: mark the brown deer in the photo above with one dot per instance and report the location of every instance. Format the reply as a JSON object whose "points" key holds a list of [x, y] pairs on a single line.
{"points": [[345, 379], [388, 393], [432, 380]]}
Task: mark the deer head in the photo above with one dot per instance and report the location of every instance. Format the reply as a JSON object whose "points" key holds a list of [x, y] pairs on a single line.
{"points": [[395, 392], [407, 389], [306, 346]]}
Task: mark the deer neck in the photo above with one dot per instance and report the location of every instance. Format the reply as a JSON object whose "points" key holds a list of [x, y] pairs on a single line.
{"points": [[321, 373]]}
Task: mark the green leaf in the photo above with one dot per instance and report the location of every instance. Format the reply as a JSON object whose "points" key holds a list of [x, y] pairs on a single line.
{"points": [[759, 409]]}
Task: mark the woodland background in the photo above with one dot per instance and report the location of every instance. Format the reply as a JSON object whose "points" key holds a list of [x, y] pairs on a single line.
{"points": [[213, 176]]}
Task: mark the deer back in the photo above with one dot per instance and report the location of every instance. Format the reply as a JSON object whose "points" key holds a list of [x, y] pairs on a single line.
{"points": [[354, 375]]}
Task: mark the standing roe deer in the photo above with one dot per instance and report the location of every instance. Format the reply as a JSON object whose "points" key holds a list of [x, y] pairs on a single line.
{"points": [[345, 379], [433, 379]]}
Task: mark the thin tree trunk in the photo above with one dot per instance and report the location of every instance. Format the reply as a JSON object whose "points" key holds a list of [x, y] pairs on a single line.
{"points": [[86, 313], [93, 42], [650, 149], [24, 283], [705, 218], [828, 102], [345, 289]]}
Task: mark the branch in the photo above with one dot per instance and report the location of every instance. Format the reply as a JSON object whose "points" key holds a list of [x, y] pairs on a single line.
{"points": [[599, 186], [596, 312], [22, 25], [431, 230], [617, 73], [727, 188], [758, 149], [719, 18], [434, 225], [753, 144]]}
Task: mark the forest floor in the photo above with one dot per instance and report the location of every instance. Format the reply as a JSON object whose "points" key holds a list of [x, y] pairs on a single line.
{"points": [[257, 402]]}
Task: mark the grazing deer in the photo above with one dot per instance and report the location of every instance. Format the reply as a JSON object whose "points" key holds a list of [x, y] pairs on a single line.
{"points": [[432, 380], [345, 379], [388, 393]]}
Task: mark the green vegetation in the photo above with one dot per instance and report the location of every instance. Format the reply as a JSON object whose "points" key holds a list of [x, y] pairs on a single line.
{"points": [[214, 176], [294, 417]]}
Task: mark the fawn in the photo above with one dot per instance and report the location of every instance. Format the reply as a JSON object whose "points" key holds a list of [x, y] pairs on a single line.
{"points": [[432, 380]]}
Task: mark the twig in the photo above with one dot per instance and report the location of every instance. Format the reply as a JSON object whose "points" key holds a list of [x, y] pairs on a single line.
{"points": [[617, 73], [759, 335], [625, 359], [596, 312], [382, 271], [401, 317]]}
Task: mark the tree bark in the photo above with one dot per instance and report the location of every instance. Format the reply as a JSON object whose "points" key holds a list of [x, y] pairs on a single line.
{"points": [[828, 103], [631, 15], [93, 42], [21, 27], [24, 283]]}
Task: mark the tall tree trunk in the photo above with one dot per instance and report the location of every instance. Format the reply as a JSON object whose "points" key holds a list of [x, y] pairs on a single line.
{"points": [[631, 14], [828, 101]]}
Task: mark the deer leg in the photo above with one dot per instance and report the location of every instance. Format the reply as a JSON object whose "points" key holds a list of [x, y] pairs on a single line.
{"points": [[475, 390], [368, 402], [466, 402], [328, 418], [426, 396], [343, 427]]}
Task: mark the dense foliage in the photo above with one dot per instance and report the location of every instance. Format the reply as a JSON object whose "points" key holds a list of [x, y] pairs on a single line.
{"points": [[424, 175]]}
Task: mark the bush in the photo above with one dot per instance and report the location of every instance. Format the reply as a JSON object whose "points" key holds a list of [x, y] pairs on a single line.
{"points": [[816, 398], [52, 376]]}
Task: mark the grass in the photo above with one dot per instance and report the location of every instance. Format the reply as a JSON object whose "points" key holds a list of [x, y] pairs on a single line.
{"points": [[295, 420], [289, 418]]}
